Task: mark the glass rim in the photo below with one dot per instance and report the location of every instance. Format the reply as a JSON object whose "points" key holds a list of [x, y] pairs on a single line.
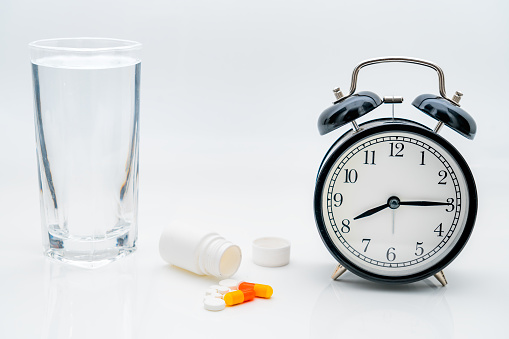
{"points": [[126, 45]]}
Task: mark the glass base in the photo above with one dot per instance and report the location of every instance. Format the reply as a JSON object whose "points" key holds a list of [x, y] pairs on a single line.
{"points": [[88, 254]]}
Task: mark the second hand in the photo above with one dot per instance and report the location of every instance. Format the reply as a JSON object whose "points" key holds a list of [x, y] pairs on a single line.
{"points": [[393, 216]]}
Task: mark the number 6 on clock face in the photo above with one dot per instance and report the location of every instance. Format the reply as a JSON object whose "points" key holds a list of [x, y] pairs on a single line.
{"points": [[394, 202]]}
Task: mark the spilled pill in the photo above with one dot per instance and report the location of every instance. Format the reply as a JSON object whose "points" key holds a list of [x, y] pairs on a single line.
{"points": [[238, 297], [223, 289], [214, 295], [230, 283], [260, 290], [214, 304], [210, 291]]}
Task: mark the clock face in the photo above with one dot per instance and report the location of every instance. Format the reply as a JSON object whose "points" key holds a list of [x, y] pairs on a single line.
{"points": [[395, 201]]}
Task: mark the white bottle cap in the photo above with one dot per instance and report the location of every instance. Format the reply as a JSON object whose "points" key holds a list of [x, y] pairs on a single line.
{"points": [[271, 252]]}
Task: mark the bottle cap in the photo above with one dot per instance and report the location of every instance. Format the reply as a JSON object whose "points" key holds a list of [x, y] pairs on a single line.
{"points": [[271, 252]]}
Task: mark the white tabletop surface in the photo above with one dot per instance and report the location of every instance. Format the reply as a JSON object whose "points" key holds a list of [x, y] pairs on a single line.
{"points": [[231, 92], [143, 297]]}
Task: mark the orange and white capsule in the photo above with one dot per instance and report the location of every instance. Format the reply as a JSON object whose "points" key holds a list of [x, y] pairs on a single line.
{"points": [[238, 297], [261, 291]]}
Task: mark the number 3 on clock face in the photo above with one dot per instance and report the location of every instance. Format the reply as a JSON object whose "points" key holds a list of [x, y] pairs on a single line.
{"points": [[395, 202]]}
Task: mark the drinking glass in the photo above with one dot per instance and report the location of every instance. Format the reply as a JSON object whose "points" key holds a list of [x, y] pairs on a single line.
{"points": [[87, 99]]}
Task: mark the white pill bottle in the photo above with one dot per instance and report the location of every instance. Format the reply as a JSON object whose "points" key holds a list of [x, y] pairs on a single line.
{"points": [[200, 251]]}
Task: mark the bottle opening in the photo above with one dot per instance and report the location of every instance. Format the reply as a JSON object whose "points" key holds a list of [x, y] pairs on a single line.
{"points": [[230, 261]]}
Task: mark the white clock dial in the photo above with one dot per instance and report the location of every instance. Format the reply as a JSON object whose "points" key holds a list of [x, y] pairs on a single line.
{"points": [[395, 203]]}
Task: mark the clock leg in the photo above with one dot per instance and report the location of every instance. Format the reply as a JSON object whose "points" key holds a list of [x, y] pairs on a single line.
{"points": [[338, 271], [441, 277], [438, 127]]}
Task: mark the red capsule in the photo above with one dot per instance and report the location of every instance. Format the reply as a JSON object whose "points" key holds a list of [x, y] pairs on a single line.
{"points": [[261, 291], [238, 297]]}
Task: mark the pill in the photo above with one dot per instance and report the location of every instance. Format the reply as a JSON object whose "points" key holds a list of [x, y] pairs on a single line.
{"points": [[210, 291], [261, 291], [238, 297], [232, 284], [223, 289], [214, 295], [214, 304]]}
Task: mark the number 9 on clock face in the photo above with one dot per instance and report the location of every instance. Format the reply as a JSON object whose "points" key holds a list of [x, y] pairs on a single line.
{"points": [[394, 202]]}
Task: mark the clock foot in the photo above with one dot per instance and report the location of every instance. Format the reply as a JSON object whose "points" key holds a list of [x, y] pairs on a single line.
{"points": [[441, 277], [338, 271]]}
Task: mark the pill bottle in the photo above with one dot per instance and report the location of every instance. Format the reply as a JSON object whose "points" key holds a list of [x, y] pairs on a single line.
{"points": [[200, 251]]}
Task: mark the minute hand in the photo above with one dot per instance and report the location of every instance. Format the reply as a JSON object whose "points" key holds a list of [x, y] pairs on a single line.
{"points": [[424, 203], [397, 203]]}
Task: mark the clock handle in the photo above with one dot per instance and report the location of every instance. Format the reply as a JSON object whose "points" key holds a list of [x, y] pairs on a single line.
{"points": [[441, 77]]}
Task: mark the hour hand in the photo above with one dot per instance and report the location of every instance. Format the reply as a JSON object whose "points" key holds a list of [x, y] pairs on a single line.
{"points": [[392, 202], [372, 211]]}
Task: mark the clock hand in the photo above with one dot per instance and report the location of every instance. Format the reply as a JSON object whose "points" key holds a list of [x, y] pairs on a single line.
{"points": [[424, 203], [372, 211], [393, 212], [394, 202]]}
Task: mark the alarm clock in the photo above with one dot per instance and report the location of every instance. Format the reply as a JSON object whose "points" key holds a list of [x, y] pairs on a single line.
{"points": [[394, 201]]}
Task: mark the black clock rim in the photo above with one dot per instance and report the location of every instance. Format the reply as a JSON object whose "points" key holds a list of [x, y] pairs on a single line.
{"points": [[404, 126]]}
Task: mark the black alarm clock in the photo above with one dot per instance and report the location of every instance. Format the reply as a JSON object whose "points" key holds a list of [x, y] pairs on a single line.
{"points": [[394, 201]]}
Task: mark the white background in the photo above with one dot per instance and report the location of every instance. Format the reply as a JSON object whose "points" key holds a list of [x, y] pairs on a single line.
{"points": [[231, 92]]}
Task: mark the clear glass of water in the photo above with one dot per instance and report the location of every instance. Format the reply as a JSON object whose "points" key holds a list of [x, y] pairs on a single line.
{"points": [[87, 100]]}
